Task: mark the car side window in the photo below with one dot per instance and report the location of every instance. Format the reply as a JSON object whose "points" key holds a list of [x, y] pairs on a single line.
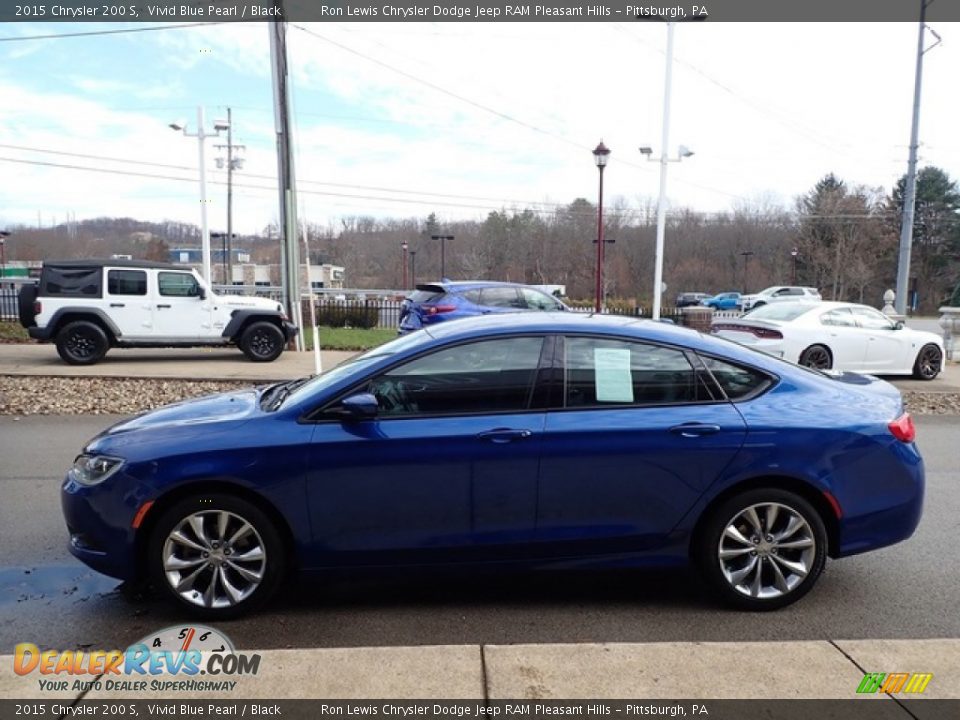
{"points": [[71, 281], [536, 300], [488, 376], [472, 295], [871, 319], [127, 282], [737, 381], [505, 297], [841, 317], [601, 372], [174, 284]]}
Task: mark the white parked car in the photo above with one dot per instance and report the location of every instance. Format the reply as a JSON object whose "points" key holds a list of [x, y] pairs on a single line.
{"points": [[839, 336], [779, 293]]}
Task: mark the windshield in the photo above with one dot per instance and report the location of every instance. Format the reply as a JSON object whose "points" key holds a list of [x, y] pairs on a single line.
{"points": [[329, 378], [783, 312]]}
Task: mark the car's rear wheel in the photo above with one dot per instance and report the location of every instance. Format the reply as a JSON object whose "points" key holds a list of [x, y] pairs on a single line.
{"points": [[82, 343], [218, 555], [262, 342], [929, 362], [817, 357], [763, 549]]}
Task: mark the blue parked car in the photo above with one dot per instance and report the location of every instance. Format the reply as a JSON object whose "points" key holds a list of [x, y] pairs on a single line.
{"points": [[723, 301], [543, 440], [433, 303]]}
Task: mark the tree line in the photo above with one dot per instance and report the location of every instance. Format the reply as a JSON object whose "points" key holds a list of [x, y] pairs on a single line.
{"points": [[840, 238]]}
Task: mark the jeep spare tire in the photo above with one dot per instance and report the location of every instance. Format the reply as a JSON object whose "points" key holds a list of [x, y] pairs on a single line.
{"points": [[262, 341], [25, 305]]}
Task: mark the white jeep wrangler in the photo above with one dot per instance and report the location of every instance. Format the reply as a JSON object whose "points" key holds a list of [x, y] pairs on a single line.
{"points": [[88, 306]]}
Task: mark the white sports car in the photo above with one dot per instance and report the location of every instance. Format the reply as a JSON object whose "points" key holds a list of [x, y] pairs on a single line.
{"points": [[839, 336]]}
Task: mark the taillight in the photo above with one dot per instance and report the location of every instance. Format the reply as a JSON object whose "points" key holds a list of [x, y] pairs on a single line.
{"points": [[760, 332], [903, 428], [37, 307], [437, 309]]}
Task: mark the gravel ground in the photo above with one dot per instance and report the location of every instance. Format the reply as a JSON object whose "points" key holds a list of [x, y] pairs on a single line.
{"points": [[24, 395]]}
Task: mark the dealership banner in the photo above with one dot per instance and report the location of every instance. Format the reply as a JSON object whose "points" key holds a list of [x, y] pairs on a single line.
{"points": [[521, 709], [208, 11]]}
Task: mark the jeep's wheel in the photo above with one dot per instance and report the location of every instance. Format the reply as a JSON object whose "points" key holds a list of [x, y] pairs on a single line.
{"points": [[218, 555], [82, 343], [262, 342]]}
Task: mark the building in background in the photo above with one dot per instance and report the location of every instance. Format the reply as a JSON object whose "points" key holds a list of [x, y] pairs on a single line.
{"points": [[246, 273]]}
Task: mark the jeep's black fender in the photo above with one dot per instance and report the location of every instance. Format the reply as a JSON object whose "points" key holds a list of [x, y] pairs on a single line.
{"points": [[75, 313], [239, 318]]}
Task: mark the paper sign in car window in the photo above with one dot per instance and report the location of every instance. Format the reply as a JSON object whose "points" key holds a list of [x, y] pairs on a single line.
{"points": [[612, 375]]}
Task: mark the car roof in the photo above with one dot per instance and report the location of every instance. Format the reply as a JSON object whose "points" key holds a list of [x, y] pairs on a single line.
{"points": [[108, 262], [468, 284]]}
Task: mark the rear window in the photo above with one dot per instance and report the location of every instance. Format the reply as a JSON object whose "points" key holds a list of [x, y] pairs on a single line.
{"points": [[784, 312], [425, 296], [77, 281]]}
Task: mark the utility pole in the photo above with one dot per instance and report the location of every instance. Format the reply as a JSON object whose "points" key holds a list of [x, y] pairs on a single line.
{"points": [[910, 191], [289, 247], [413, 268], [232, 164]]}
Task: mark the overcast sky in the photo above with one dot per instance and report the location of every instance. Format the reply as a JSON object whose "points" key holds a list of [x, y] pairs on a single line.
{"points": [[479, 116]]}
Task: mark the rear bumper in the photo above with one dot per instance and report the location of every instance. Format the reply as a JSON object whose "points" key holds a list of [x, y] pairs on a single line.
{"points": [[37, 333]]}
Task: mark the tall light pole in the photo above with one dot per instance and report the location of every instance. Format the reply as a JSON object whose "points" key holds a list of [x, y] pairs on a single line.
{"points": [[443, 253], [404, 247], [794, 253], [910, 191], [413, 268], [232, 164], [201, 135], [746, 259], [601, 153]]}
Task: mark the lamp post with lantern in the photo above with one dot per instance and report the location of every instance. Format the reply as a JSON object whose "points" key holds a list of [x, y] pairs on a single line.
{"points": [[601, 154]]}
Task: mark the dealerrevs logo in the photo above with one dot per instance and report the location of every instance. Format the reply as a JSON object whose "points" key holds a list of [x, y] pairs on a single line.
{"points": [[169, 660]]}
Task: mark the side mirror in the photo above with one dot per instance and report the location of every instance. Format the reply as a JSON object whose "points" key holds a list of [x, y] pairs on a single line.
{"points": [[361, 406], [201, 293]]}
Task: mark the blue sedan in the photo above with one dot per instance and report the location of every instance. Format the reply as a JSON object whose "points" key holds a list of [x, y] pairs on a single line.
{"points": [[542, 440]]}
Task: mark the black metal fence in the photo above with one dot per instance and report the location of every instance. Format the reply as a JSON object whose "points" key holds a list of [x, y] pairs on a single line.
{"points": [[9, 291]]}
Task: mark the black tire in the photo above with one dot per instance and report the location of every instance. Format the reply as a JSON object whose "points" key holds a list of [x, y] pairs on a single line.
{"points": [[769, 557], [929, 362], [208, 507], [262, 341], [25, 300], [818, 357], [82, 343]]}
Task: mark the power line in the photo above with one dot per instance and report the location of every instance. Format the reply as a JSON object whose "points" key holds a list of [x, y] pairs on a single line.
{"points": [[107, 32]]}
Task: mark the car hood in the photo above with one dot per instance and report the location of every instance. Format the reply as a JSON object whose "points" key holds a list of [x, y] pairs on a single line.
{"points": [[206, 410], [246, 301]]}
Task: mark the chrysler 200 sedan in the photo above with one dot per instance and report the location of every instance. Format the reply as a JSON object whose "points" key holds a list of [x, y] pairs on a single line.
{"points": [[546, 440]]}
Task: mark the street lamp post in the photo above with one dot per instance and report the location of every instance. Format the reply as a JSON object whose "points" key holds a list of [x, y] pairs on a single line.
{"points": [[413, 268], [601, 154], [794, 253], [201, 135], [746, 259], [405, 247], [443, 252]]}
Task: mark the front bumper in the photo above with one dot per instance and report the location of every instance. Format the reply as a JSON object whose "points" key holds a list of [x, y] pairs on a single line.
{"points": [[289, 330]]}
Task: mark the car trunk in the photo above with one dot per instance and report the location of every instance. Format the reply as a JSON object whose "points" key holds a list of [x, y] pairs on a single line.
{"points": [[426, 299]]}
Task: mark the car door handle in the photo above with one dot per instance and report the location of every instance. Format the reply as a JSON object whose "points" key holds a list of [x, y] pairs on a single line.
{"points": [[504, 435], [692, 430], [163, 306], [117, 305]]}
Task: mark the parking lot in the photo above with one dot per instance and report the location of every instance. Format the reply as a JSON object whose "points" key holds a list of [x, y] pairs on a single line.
{"points": [[906, 591]]}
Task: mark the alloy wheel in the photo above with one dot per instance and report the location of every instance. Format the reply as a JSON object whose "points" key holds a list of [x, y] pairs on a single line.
{"points": [[817, 357], [928, 362], [214, 559], [766, 550]]}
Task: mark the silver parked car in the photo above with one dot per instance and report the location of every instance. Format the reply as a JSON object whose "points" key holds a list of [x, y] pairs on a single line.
{"points": [[779, 293]]}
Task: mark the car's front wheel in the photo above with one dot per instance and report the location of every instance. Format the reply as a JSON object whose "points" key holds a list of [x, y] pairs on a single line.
{"points": [[82, 343], [262, 342], [929, 362], [218, 555], [763, 549]]}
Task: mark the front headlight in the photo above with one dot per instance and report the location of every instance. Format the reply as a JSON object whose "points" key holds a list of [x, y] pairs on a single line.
{"points": [[94, 469]]}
